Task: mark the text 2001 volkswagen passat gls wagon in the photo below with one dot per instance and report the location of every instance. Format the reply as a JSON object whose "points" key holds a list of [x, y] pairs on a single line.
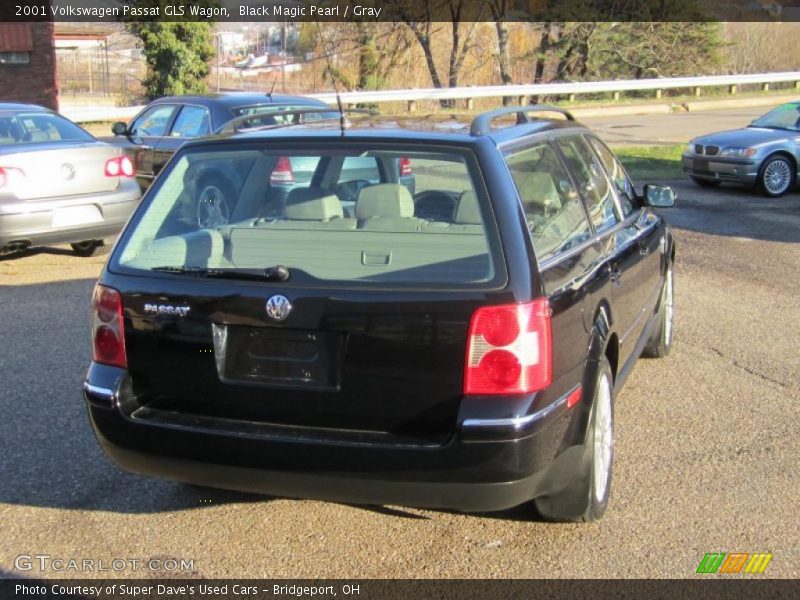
{"points": [[457, 348]]}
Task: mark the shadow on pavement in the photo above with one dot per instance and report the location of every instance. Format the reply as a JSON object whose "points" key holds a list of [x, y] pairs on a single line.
{"points": [[735, 211], [48, 454]]}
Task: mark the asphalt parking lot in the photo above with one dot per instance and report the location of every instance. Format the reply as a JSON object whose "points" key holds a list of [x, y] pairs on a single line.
{"points": [[706, 456]]}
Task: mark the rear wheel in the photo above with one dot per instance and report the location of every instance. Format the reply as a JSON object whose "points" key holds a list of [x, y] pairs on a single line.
{"points": [[586, 498], [776, 176], [660, 341], [214, 202], [706, 182], [87, 248]]}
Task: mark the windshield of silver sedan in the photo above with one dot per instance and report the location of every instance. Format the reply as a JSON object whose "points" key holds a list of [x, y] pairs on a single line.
{"points": [[786, 116]]}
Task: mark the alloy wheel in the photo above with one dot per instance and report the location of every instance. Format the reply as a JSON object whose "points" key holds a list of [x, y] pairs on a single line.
{"points": [[777, 176], [603, 438]]}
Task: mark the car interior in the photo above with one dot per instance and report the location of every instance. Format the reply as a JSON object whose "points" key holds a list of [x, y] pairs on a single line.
{"points": [[436, 234]]}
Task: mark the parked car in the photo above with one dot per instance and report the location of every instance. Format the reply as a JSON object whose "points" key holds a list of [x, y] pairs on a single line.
{"points": [[766, 153], [58, 184], [459, 348], [154, 135]]}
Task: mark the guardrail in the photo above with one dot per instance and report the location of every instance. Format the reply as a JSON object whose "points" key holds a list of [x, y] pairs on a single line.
{"points": [[521, 92]]}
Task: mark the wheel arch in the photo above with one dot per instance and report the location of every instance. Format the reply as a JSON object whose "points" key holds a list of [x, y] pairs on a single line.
{"points": [[603, 339], [784, 154], [781, 152]]}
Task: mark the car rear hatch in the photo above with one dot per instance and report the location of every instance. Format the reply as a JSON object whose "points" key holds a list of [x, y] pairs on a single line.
{"points": [[61, 170], [391, 363], [364, 337]]}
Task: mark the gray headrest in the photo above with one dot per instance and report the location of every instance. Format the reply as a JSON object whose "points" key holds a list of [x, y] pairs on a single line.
{"points": [[468, 212], [310, 204], [384, 200]]}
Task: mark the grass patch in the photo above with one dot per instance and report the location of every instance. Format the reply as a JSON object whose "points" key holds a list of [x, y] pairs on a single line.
{"points": [[646, 163]]}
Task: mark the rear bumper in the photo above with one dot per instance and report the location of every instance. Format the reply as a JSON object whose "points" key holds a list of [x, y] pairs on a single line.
{"points": [[32, 223], [482, 467], [736, 170]]}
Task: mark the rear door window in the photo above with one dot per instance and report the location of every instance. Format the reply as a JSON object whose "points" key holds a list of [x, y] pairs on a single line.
{"points": [[553, 208], [625, 190], [192, 121], [592, 181], [215, 209]]}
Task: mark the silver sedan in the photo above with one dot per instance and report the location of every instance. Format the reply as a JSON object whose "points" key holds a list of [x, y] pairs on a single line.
{"points": [[766, 153], [58, 184]]}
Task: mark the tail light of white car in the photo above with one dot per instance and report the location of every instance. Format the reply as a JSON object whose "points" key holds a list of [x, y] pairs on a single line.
{"points": [[119, 166], [10, 176]]}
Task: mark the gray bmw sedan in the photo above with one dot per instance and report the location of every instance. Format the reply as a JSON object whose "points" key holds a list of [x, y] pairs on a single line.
{"points": [[58, 184], [766, 153]]}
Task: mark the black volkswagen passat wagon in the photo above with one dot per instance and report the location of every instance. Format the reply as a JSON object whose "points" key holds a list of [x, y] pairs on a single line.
{"points": [[456, 348]]}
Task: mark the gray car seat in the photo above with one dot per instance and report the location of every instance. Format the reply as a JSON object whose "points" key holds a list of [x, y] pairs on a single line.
{"points": [[386, 207]]}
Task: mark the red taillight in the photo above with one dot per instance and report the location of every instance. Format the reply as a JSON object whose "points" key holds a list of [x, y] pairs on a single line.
{"points": [[8, 175], [509, 349], [405, 166], [120, 166], [282, 173], [108, 334]]}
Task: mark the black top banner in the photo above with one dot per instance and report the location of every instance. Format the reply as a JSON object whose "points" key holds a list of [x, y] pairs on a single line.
{"points": [[399, 10]]}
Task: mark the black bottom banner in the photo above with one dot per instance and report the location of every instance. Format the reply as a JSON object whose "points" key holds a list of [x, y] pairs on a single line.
{"points": [[417, 589]]}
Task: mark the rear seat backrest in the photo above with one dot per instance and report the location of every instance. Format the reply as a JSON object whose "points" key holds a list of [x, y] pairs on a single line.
{"points": [[386, 207], [312, 208], [468, 211], [312, 204], [468, 215]]}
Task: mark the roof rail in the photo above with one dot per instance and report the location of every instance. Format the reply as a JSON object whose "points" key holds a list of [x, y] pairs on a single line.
{"points": [[482, 123], [236, 125]]}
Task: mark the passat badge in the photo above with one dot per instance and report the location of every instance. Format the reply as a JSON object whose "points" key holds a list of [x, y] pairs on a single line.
{"points": [[278, 307], [166, 309]]}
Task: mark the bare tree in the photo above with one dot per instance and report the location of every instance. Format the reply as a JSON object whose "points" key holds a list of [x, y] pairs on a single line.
{"points": [[499, 10], [462, 37]]}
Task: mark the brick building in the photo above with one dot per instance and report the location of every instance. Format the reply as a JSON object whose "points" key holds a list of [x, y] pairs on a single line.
{"points": [[28, 64]]}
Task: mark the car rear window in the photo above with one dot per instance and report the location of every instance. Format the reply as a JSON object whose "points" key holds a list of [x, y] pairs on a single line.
{"points": [[263, 114], [371, 216], [38, 128]]}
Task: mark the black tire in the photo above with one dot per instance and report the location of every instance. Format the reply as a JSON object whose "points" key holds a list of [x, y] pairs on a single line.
{"points": [[586, 498], [215, 200], [87, 248], [660, 341], [706, 182], [776, 176]]}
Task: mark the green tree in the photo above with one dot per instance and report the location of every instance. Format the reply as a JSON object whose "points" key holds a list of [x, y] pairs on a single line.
{"points": [[656, 49], [177, 53]]}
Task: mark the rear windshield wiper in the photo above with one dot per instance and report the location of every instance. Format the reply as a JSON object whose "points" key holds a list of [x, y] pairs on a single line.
{"points": [[277, 273]]}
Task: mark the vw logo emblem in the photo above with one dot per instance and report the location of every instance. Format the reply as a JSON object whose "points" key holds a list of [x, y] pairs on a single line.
{"points": [[278, 307], [67, 171]]}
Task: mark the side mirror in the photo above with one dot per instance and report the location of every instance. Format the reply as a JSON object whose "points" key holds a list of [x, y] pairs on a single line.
{"points": [[119, 128], [659, 196]]}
